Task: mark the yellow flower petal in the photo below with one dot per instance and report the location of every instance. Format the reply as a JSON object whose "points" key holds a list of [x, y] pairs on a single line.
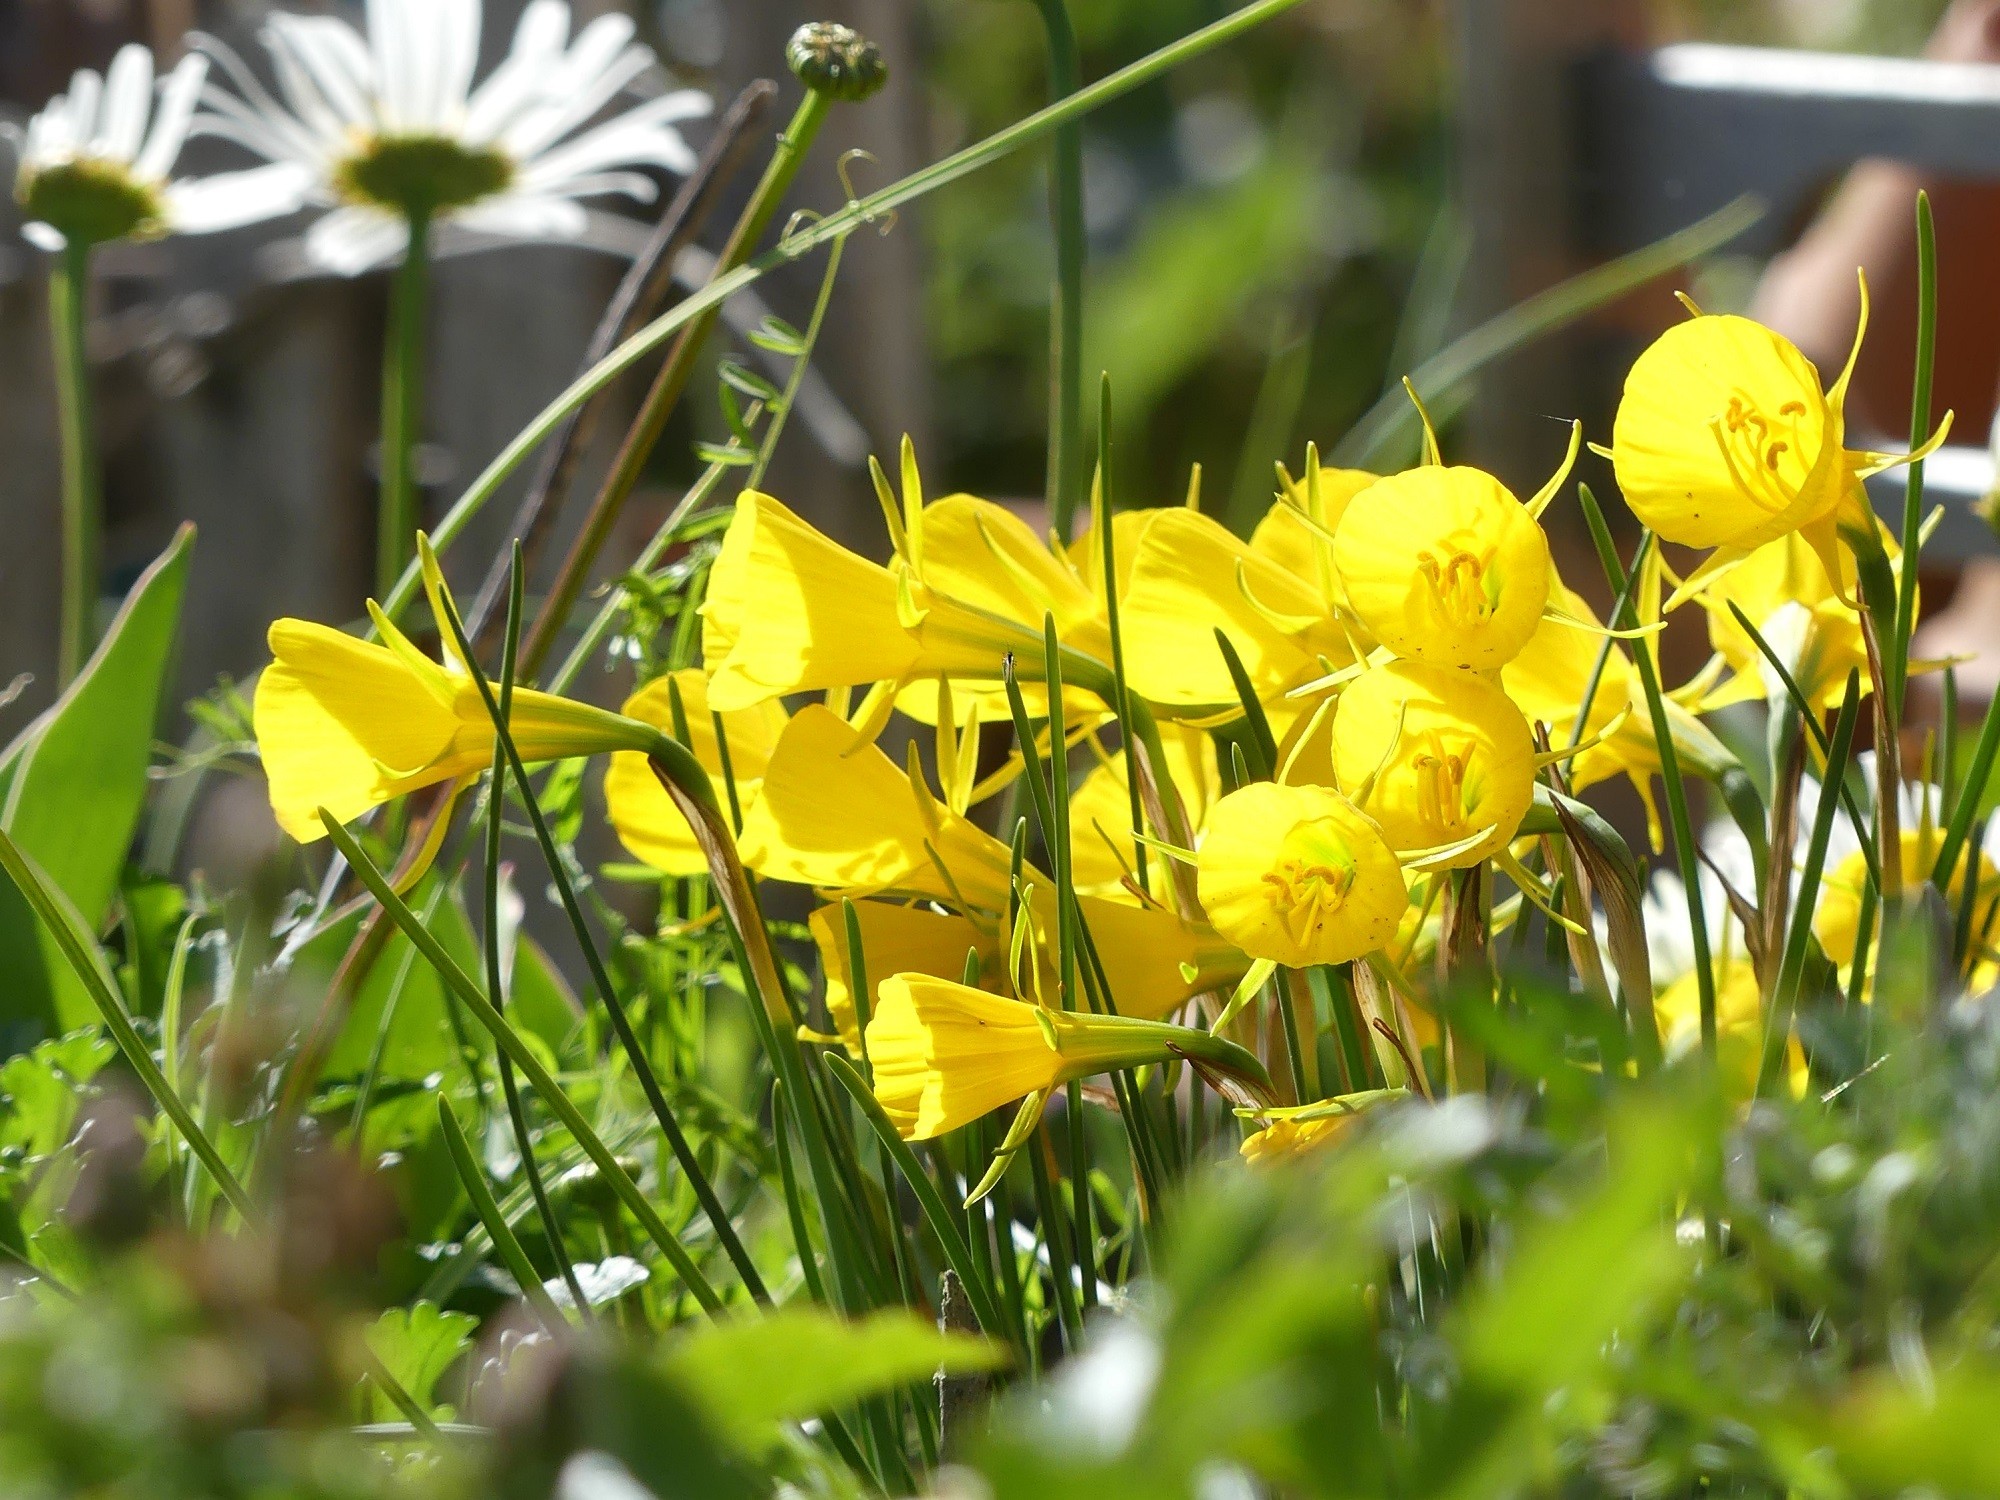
{"points": [[944, 1055]]}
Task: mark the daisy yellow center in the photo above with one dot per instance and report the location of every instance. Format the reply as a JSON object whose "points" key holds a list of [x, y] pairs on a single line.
{"points": [[420, 175], [1461, 584], [1311, 878], [91, 201], [1754, 446]]}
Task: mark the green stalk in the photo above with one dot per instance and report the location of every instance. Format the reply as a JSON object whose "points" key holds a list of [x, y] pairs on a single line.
{"points": [[1897, 668], [1685, 857], [1966, 810], [1066, 294], [480, 1195], [872, 209], [82, 497], [665, 393], [402, 406]]}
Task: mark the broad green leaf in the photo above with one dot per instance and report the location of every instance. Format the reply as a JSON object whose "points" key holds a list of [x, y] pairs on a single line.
{"points": [[76, 784], [417, 1344], [800, 1362]]}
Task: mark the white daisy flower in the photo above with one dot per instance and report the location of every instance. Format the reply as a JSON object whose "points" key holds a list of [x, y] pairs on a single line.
{"points": [[95, 164], [386, 128]]}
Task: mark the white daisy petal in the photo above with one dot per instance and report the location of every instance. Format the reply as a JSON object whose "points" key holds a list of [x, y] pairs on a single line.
{"points": [[128, 99], [352, 240], [86, 92], [178, 97], [327, 51], [229, 200], [457, 56], [566, 107], [525, 216], [43, 237]]}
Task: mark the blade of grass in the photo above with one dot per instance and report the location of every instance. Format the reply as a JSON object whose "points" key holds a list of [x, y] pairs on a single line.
{"points": [[1967, 807], [510, 1041], [473, 1180], [1066, 293], [1898, 664]]}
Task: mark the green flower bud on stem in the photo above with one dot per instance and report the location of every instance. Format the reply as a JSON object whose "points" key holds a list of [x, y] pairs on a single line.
{"points": [[836, 61]]}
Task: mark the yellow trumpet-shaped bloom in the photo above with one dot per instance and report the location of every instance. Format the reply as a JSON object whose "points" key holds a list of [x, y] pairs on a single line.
{"points": [[1285, 1140], [645, 817], [1726, 440], [1437, 756], [1739, 1027], [348, 725], [1103, 853], [1191, 577], [1444, 565], [1297, 875], [1837, 918], [1143, 950], [944, 1055]]}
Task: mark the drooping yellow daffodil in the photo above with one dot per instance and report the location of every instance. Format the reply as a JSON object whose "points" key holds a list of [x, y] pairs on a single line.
{"points": [[1296, 875], [1444, 565], [1837, 918], [1104, 857], [1438, 757], [790, 610], [1739, 1027], [836, 814], [944, 1055], [1813, 626], [1726, 440], [348, 725], [1287, 1140], [1192, 576], [647, 822]]}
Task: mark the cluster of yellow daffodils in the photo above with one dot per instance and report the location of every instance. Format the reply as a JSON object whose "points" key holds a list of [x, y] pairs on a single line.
{"points": [[1299, 741]]}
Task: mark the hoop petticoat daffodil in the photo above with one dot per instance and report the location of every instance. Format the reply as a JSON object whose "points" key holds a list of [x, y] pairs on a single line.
{"points": [[1725, 440], [790, 610], [347, 725], [944, 1055], [1297, 875], [648, 823]]}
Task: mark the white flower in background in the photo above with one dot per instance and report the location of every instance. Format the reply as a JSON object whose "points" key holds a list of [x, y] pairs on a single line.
{"points": [[96, 163], [1669, 930], [386, 129]]}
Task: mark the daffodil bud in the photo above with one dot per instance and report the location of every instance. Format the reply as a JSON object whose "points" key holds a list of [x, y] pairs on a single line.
{"points": [[836, 60], [1440, 758], [1444, 565], [1298, 876]]}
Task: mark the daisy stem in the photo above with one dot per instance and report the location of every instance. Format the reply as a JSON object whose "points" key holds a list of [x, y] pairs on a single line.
{"points": [[1066, 295], [402, 406], [82, 502]]}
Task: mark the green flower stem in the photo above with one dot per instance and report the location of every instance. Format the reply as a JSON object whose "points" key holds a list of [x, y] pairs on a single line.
{"points": [[82, 497], [402, 408], [670, 382], [1897, 668], [1685, 857], [868, 210], [1066, 294], [487, 1210]]}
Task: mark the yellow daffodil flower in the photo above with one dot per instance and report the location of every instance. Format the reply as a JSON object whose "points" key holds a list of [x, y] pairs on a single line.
{"points": [[835, 813], [1192, 576], [1739, 1027], [1298, 876], [348, 725], [646, 820], [945, 1055], [1444, 565], [1288, 1140], [1726, 440], [1437, 756], [1103, 854], [1837, 918]]}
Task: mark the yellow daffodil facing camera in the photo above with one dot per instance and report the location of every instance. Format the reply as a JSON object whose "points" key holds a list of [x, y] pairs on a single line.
{"points": [[1437, 756], [1296, 875], [944, 1055], [647, 821], [1725, 439], [1444, 565], [348, 725]]}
